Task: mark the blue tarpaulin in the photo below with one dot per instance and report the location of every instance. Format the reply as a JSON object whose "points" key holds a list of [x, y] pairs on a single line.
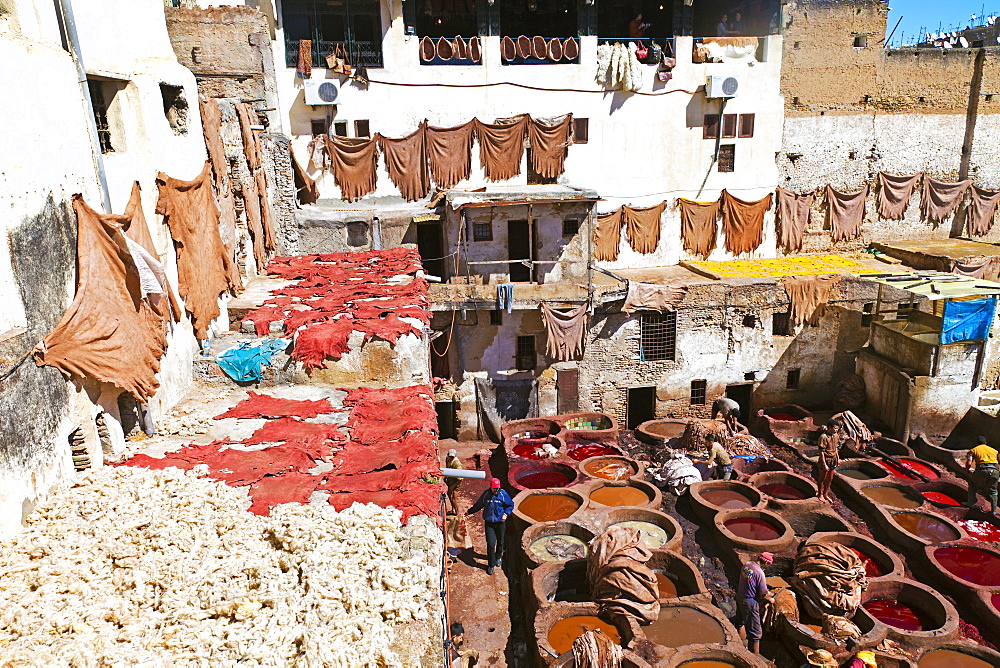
{"points": [[245, 361], [967, 320]]}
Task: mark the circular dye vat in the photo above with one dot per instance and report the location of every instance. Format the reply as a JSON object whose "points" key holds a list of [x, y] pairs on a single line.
{"points": [[856, 474], [619, 496], [782, 491], [898, 614], [970, 564], [666, 587], [872, 569], [653, 537], [926, 527], [981, 531], [905, 468], [706, 663], [548, 507], [752, 528], [581, 452], [558, 547], [565, 631], [949, 658], [941, 499], [891, 496], [527, 450], [543, 479], [677, 627], [727, 499], [667, 429], [609, 469]]}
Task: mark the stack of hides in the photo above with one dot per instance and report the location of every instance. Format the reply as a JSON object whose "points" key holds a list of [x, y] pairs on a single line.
{"points": [[829, 579], [620, 580]]}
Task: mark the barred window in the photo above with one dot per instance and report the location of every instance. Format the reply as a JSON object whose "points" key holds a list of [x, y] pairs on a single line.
{"points": [[496, 318], [526, 356], [698, 391], [571, 227], [792, 379], [780, 324], [727, 158], [658, 336], [482, 232]]}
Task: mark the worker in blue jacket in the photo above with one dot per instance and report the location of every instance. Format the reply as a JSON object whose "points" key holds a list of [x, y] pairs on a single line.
{"points": [[496, 505]]}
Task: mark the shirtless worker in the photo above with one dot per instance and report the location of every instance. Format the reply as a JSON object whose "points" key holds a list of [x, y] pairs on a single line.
{"points": [[730, 413], [982, 463], [829, 458]]}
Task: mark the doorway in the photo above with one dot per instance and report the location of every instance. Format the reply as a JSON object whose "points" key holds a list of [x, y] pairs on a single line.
{"points": [[430, 246], [445, 418], [519, 248], [743, 395], [567, 390], [641, 406]]}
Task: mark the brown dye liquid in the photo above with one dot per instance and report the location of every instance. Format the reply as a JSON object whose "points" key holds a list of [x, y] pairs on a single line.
{"points": [[619, 496], [726, 498], [609, 469], [752, 528], [858, 475], [706, 663], [548, 507], [666, 586], [926, 527], [565, 631], [947, 658], [891, 496], [677, 627]]}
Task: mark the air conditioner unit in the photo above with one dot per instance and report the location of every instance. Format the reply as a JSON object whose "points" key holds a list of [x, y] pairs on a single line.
{"points": [[321, 92], [722, 87]]}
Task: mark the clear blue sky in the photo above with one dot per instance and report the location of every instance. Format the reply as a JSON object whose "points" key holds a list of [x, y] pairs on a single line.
{"points": [[930, 14]]}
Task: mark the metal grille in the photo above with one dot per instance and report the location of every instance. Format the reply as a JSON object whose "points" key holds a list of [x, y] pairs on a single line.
{"points": [[525, 353], [792, 379], [727, 158], [571, 227], [780, 324], [658, 336], [699, 389], [100, 115], [496, 318], [359, 52], [482, 232]]}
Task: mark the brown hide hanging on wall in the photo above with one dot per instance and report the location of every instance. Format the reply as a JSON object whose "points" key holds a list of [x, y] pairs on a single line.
{"points": [[939, 199], [406, 162], [109, 332], [743, 222], [449, 153], [565, 330], [792, 218], [501, 147], [549, 145], [808, 297], [211, 123], [306, 190], [642, 227], [845, 213], [256, 198], [607, 236], [353, 161], [202, 262], [981, 210], [133, 222], [699, 226], [894, 194]]}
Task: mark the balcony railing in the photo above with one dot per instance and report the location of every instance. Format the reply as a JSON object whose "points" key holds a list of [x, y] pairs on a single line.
{"points": [[359, 52], [524, 50]]}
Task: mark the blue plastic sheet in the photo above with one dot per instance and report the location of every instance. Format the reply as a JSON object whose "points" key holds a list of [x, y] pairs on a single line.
{"points": [[967, 320], [246, 360]]}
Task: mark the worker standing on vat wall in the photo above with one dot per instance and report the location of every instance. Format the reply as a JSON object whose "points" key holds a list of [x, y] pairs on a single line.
{"points": [[723, 462], [751, 592], [829, 458], [730, 413], [982, 463], [496, 505]]}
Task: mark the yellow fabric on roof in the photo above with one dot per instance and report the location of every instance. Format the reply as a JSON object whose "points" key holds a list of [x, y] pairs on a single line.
{"points": [[802, 265]]}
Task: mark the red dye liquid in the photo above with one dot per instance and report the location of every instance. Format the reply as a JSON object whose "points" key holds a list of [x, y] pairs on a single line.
{"points": [[582, 452], [752, 528], [726, 498], [995, 600], [781, 491], [543, 479], [940, 498], [970, 564], [872, 569], [981, 531], [784, 417], [526, 450], [899, 615], [905, 468]]}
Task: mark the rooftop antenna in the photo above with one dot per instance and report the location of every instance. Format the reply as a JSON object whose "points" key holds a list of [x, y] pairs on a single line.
{"points": [[887, 39]]}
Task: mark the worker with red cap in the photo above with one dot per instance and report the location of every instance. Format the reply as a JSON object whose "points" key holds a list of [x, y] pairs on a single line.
{"points": [[751, 592], [496, 505]]}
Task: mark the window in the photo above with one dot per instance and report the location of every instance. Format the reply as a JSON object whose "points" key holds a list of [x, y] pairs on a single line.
{"points": [[749, 320], [175, 108], [860, 41], [107, 113], [729, 123], [581, 130], [482, 231], [319, 126], [866, 313], [432, 18], [658, 336], [340, 128], [354, 25], [746, 125], [361, 129], [792, 379], [727, 158], [698, 392], [904, 309], [525, 353], [571, 227], [780, 324], [711, 127], [496, 318], [357, 233]]}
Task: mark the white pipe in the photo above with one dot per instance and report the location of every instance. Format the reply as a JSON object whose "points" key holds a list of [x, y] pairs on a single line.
{"points": [[463, 473]]}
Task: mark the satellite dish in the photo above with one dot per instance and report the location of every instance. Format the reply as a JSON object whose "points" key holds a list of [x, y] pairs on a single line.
{"points": [[964, 42], [946, 45]]}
